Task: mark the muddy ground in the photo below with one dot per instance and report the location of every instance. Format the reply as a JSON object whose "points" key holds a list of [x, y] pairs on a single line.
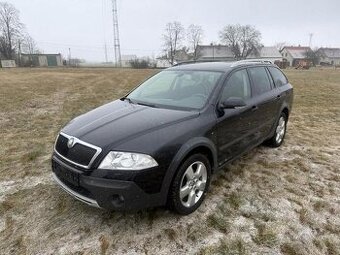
{"points": [[271, 201]]}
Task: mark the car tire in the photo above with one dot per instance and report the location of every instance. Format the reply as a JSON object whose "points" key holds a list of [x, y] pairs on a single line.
{"points": [[190, 185], [280, 132]]}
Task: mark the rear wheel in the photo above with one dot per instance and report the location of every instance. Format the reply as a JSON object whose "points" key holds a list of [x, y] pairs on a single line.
{"points": [[280, 132], [190, 184]]}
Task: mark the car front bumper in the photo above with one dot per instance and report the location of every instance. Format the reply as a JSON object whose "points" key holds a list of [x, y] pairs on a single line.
{"points": [[99, 192]]}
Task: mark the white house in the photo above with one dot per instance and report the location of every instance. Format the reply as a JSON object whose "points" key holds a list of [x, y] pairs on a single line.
{"points": [[271, 54], [295, 55], [329, 56]]}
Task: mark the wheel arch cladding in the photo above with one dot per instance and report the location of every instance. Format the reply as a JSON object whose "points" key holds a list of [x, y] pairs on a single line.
{"points": [[286, 111], [200, 145], [204, 150]]}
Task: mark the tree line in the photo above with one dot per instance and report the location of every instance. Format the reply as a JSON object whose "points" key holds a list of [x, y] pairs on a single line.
{"points": [[242, 40], [174, 36], [14, 38]]}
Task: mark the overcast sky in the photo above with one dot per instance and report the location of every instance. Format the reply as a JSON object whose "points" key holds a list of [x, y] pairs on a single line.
{"points": [[85, 25]]}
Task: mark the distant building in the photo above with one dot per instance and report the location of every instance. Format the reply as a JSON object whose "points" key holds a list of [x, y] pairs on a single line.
{"points": [[126, 60], [74, 62], [330, 56], [224, 53], [295, 55], [182, 55], [271, 54], [7, 63], [214, 53], [162, 62], [41, 60]]}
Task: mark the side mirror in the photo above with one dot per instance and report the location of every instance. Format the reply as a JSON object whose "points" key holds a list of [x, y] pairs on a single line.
{"points": [[233, 102]]}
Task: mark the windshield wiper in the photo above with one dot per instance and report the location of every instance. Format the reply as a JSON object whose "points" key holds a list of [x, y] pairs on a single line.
{"points": [[147, 104], [127, 99], [139, 103]]}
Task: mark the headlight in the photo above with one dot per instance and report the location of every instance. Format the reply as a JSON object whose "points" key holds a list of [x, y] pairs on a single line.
{"points": [[116, 160]]}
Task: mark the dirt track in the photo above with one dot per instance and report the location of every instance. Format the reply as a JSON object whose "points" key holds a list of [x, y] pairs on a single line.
{"points": [[271, 201]]}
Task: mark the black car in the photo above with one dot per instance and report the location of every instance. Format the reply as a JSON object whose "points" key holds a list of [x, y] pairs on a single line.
{"points": [[160, 144]]}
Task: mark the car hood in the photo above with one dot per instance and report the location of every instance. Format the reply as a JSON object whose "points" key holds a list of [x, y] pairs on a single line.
{"points": [[119, 121]]}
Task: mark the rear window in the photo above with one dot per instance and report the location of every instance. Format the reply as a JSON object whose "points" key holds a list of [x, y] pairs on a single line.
{"points": [[278, 77], [260, 80]]}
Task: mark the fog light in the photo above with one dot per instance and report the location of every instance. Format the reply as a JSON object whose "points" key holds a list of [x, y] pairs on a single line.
{"points": [[117, 200]]}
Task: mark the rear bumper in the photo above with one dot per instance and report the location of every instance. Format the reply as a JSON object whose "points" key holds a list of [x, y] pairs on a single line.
{"points": [[106, 193]]}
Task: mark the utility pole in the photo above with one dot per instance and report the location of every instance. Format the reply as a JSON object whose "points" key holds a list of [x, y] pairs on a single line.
{"points": [[19, 57], [116, 34], [69, 56], [106, 58], [310, 40], [104, 30]]}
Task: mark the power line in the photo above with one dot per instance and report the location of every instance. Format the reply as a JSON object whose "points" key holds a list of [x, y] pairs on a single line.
{"points": [[91, 47]]}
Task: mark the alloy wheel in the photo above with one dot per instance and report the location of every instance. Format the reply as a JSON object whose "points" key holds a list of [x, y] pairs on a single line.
{"points": [[280, 130], [193, 184]]}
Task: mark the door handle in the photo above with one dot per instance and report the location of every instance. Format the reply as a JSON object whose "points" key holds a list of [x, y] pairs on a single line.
{"points": [[254, 108]]}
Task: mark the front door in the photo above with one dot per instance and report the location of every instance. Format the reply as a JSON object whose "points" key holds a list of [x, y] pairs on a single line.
{"points": [[234, 126]]}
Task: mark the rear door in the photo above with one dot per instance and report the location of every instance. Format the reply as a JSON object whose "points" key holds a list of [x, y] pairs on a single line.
{"points": [[280, 81], [264, 101]]}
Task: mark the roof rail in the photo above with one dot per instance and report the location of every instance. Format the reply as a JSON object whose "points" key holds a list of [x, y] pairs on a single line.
{"points": [[235, 63], [244, 61]]}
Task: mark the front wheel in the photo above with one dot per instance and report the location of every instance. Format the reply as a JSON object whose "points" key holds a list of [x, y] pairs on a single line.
{"points": [[280, 132], [190, 184]]}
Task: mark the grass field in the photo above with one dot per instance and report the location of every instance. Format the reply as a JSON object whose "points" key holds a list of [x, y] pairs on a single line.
{"points": [[271, 201]]}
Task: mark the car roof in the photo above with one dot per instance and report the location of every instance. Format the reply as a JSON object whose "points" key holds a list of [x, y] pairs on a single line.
{"points": [[216, 66]]}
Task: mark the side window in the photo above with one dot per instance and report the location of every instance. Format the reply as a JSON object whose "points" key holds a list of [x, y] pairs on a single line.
{"points": [[260, 80], [278, 76], [238, 85]]}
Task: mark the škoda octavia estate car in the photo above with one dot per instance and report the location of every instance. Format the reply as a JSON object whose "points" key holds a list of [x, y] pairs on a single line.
{"points": [[160, 144]]}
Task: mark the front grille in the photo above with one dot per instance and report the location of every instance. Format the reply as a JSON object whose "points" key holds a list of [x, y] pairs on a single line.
{"points": [[81, 153]]}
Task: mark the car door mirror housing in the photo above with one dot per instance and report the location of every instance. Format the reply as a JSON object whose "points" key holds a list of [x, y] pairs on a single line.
{"points": [[233, 102]]}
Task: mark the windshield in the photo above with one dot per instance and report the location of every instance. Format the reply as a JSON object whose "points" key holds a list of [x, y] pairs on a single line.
{"points": [[176, 89]]}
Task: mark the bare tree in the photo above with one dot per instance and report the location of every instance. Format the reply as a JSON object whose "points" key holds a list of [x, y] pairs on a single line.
{"points": [[313, 56], [242, 40], [173, 38], [29, 47], [10, 30], [280, 45], [194, 35]]}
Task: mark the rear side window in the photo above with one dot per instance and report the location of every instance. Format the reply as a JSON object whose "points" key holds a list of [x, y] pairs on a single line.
{"points": [[278, 77], [238, 85], [260, 80]]}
